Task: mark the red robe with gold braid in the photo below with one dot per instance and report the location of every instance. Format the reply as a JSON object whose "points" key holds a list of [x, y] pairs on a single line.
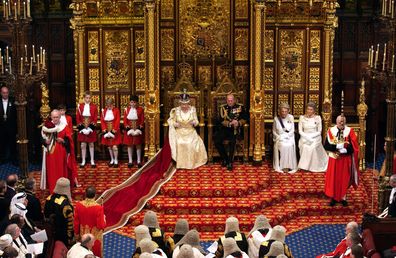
{"points": [[89, 218], [342, 169], [340, 249], [69, 123], [59, 158], [86, 121], [111, 126], [133, 124]]}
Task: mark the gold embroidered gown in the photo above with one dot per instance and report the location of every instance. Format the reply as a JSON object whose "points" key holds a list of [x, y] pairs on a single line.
{"points": [[188, 149]]}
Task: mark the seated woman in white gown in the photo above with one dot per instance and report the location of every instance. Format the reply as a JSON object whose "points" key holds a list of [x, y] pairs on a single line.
{"points": [[285, 159], [313, 156], [188, 149]]}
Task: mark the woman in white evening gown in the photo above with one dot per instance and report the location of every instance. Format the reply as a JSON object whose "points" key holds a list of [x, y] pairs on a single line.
{"points": [[313, 156]]}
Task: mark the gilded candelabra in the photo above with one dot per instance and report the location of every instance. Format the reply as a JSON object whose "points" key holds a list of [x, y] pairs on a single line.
{"points": [[381, 68], [21, 66]]}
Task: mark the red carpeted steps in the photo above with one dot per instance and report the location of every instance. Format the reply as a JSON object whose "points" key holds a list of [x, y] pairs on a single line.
{"points": [[208, 195]]}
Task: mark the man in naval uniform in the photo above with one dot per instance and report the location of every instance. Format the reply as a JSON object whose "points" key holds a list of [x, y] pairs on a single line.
{"points": [[231, 119]]}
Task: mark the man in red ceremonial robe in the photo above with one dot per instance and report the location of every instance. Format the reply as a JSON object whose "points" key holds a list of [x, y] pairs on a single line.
{"points": [[87, 117], [110, 123], [89, 218], [133, 134], [351, 227], [58, 152], [342, 171]]}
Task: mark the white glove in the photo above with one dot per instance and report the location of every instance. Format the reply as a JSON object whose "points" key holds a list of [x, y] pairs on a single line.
{"points": [[89, 130], [130, 131], [111, 135], [343, 151], [340, 146], [85, 131], [106, 135], [136, 132]]}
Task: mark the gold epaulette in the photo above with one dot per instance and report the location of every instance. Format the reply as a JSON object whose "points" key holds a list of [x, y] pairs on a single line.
{"points": [[156, 233], [265, 243], [59, 200]]}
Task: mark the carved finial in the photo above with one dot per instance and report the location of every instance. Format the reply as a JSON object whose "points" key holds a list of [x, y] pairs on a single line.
{"points": [[342, 102]]}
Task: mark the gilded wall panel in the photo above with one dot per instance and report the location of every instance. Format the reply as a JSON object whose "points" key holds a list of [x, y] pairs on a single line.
{"points": [[167, 44], [314, 78], [269, 46], [241, 44], [314, 45], [139, 46], [124, 101], [291, 56], [93, 74], [140, 77], [241, 9], [269, 78], [93, 46], [116, 56], [282, 98], [96, 100], [204, 74], [242, 74], [298, 105], [167, 75], [204, 26], [268, 105], [314, 98], [167, 9]]}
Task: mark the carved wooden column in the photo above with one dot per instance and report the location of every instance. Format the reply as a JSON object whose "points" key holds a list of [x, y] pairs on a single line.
{"points": [[152, 75], [329, 27], [256, 90]]}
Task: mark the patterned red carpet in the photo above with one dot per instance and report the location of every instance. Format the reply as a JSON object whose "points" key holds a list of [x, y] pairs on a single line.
{"points": [[208, 195]]}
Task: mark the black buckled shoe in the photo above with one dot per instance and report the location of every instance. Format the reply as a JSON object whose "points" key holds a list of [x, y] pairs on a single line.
{"points": [[229, 166], [332, 202]]}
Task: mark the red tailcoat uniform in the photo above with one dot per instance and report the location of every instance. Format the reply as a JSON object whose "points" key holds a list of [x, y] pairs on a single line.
{"points": [[340, 249], [133, 124], [111, 126], [89, 218], [69, 123], [87, 121], [60, 159], [342, 170]]}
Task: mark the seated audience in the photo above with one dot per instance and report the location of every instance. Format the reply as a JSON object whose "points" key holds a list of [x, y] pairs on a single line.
{"points": [[285, 159], [278, 234], [276, 249], [357, 251], [259, 233], [231, 249], [157, 234], [149, 246], [4, 205], [5, 240], [19, 242], [81, 249], [186, 251], [141, 232], [232, 230], [392, 197], [11, 187], [192, 239], [34, 211], [10, 252], [25, 231], [342, 246], [352, 239]]}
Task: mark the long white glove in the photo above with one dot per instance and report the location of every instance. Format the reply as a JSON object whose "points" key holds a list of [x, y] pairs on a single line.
{"points": [[111, 135], [130, 132], [89, 130], [340, 146], [85, 131], [343, 151]]}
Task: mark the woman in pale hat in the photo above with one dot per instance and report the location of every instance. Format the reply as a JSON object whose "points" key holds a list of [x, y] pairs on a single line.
{"points": [[141, 232], [110, 123], [186, 251], [313, 156], [276, 249], [192, 239], [149, 246], [5, 240], [285, 159], [231, 249], [232, 231], [259, 233], [188, 149], [278, 234], [157, 234]]}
